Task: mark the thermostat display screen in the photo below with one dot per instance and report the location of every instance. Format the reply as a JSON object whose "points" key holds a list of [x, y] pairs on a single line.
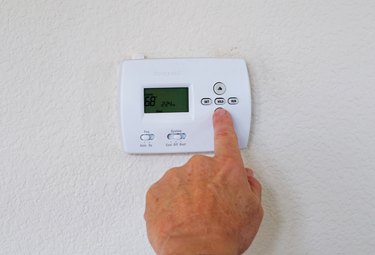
{"points": [[158, 100]]}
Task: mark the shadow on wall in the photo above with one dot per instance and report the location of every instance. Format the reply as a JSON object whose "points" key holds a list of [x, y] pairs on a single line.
{"points": [[273, 222], [274, 219]]}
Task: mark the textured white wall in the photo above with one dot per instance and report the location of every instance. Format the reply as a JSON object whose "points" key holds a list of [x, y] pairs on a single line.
{"points": [[66, 187]]}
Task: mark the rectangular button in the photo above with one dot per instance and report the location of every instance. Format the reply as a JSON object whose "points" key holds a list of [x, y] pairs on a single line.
{"points": [[219, 101], [206, 101], [233, 100]]}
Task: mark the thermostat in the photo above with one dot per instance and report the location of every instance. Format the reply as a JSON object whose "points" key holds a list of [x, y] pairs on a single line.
{"points": [[167, 104]]}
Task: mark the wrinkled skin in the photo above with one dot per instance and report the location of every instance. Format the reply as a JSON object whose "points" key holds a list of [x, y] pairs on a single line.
{"points": [[210, 205]]}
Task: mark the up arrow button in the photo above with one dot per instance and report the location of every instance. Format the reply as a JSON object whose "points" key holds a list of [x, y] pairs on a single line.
{"points": [[219, 88]]}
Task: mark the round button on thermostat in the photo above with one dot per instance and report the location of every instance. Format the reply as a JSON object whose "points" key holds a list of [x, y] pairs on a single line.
{"points": [[219, 88]]}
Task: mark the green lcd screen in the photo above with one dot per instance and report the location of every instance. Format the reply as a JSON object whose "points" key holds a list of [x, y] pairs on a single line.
{"points": [[157, 100]]}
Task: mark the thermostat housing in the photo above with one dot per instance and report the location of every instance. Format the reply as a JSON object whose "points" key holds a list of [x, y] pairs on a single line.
{"points": [[167, 104]]}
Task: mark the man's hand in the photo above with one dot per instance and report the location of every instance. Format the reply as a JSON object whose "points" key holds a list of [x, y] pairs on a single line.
{"points": [[209, 205]]}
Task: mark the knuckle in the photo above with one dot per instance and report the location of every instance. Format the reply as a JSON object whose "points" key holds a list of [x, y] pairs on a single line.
{"points": [[151, 192], [198, 159], [257, 183], [229, 162], [225, 133], [170, 173]]}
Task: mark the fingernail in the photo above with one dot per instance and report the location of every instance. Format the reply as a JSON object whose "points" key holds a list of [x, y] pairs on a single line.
{"points": [[220, 111]]}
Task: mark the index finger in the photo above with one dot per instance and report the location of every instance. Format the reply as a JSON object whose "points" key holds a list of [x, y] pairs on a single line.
{"points": [[226, 143]]}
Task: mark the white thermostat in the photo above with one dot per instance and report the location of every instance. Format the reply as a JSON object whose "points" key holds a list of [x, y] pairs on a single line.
{"points": [[167, 104]]}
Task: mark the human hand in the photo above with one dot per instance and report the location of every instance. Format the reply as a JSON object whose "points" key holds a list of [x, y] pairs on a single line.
{"points": [[210, 205]]}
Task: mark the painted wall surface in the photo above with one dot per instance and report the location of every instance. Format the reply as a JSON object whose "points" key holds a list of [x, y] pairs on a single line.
{"points": [[66, 187]]}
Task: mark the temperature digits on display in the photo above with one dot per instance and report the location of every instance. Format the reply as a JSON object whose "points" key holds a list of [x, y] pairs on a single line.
{"points": [[157, 100]]}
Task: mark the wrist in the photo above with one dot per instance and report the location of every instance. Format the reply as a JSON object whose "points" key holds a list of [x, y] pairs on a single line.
{"points": [[208, 244]]}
